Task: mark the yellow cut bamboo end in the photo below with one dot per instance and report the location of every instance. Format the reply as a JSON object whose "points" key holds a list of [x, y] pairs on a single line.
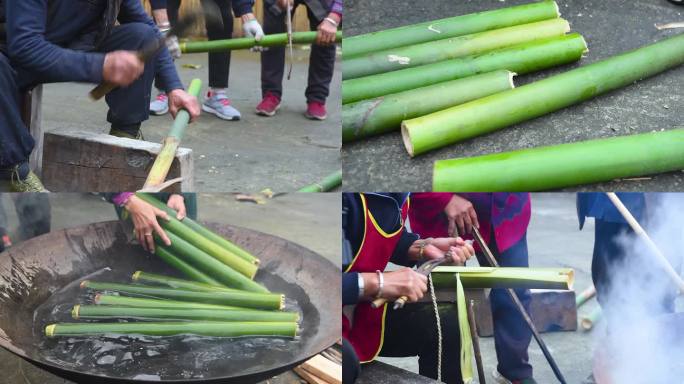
{"points": [[571, 278], [136, 276], [50, 330], [84, 284], [96, 300], [586, 324], [75, 310], [511, 75], [406, 138], [282, 302], [256, 262]]}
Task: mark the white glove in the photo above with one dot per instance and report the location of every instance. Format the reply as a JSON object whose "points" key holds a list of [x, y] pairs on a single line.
{"points": [[252, 28], [173, 47]]}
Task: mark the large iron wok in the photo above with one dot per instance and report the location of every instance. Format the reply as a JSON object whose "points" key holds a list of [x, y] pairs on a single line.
{"points": [[33, 271]]}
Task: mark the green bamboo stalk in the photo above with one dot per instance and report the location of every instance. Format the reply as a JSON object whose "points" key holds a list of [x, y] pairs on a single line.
{"points": [[564, 165], [520, 59], [104, 299], [236, 298], [188, 270], [504, 277], [329, 182], [119, 312], [585, 296], [151, 278], [207, 264], [539, 98], [273, 40], [384, 114], [203, 231], [449, 27], [588, 322], [432, 52], [211, 328]]}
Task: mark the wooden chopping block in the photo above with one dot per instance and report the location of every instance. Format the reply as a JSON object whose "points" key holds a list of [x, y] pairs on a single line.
{"points": [[323, 369]]}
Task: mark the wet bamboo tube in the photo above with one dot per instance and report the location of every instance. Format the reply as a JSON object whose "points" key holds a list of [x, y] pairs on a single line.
{"points": [[126, 301], [165, 157], [432, 52], [169, 258], [563, 165], [588, 322], [585, 296], [539, 98], [237, 298], [328, 183], [273, 40], [520, 59], [121, 312], [202, 230], [151, 278], [384, 114], [506, 277], [211, 328], [449, 27]]}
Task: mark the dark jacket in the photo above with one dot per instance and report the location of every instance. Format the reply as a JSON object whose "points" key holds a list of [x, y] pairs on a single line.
{"points": [[599, 206], [319, 8]]}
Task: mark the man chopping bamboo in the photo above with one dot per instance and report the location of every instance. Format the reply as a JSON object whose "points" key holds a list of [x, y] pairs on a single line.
{"points": [[63, 41]]}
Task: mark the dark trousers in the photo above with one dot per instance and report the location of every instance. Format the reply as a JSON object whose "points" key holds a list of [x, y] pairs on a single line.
{"points": [[321, 61], [219, 62], [511, 335], [127, 105], [351, 367]]}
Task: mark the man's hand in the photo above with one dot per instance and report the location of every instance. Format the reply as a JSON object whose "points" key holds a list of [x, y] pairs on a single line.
{"points": [[177, 203], [461, 215], [403, 282], [179, 99], [327, 30], [144, 217], [122, 68], [437, 248], [251, 27], [283, 4]]}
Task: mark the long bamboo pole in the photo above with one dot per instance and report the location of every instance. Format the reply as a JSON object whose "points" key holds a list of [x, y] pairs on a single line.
{"points": [[126, 301], [211, 328], [521, 59], [507, 277], [162, 164], [563, 165], [541, 97], [448, 27], [328, 183], [384, 114], [274, 40], [639, 230], [122, 312], [188, 270], [432, 52]]}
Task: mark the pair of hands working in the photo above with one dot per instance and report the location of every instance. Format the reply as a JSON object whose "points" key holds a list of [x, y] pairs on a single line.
{"points": [[326, 29], [144, 217]]}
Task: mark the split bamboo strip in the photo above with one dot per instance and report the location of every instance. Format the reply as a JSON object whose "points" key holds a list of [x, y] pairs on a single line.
{"points": [[329, 182], [201, 229], [187, 269], [105, 299], [440, 50], [209, 265], [211, 328], [504, 277], [563, 165], [585, 296], [588, 322], [147, 278], [384, 114], [449, 27], [273, 40], [541, 97], [236, 298], [119, 312], [520, 59]]}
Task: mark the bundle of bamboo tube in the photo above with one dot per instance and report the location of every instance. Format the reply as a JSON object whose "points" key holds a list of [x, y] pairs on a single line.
{"points": [[221, 299]]}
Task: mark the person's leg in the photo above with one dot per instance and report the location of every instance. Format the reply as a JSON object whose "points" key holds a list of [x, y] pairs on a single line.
{"points": [[412, 331], [272, 66], [33, 211], [321, 68], [351, 367]]}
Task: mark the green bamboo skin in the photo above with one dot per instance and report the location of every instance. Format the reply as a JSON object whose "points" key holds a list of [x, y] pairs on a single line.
{"points": [[521, 59], [104, 299], [188, 270], [449, 27], [564, 165], [452, 48], [237, 298], [539, 98], [212, 328], [151, 278], [385, 114], [506, 277], [273, 40], [119, 312], [203, 231], [328, 183]]}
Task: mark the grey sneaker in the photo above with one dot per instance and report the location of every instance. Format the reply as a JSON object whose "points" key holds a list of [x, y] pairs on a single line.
{"points": [[160, 105], [219, 105]]}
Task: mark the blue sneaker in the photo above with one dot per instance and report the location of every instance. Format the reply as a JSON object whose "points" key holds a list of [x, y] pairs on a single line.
{"points": [[160, 105], [219, 105]]}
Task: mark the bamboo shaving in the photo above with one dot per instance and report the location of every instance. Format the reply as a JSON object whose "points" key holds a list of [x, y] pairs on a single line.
{"points": [[679, 24], [402, 60], [433, 29]]}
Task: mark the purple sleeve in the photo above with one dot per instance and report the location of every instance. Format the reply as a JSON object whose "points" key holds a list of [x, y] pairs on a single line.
{"points": [[121, 198], [337, 7]]}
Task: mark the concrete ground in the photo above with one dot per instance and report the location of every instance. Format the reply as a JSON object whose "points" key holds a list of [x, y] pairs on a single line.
{"points": [[312, 221], [609, 26], [283, 153]]}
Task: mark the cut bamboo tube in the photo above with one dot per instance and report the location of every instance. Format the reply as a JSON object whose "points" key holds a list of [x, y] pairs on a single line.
{"points": [[104, 299], [588, 322], [521, 59], [238, 299], [201, 229], [432, 52], [162, 163], [328, 183], [169, 258], [449, 27], [384, 114], [121, 312], [585, 296], [539, 98], [211, 328], [504, 277], [563, 165], [273, 40], [147, 278]]}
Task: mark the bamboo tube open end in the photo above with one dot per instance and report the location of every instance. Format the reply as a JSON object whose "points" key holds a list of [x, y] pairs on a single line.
{"points": [[75, 311], [50, 330], [256, 262], [566, 25], [511, 75], [406, 138], [136, 275], [586, 46], [84, 284], [586, 324], [570, 279], [282, 302]]}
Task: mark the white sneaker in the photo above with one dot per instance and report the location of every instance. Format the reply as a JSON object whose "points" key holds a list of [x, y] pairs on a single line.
{"points": [[160, 105]]}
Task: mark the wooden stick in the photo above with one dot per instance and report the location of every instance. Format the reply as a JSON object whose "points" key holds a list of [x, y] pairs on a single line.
{"points": [[476, 343]]}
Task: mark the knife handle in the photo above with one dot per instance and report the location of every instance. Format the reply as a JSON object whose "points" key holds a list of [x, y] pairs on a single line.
{"points": [[399, 303]]}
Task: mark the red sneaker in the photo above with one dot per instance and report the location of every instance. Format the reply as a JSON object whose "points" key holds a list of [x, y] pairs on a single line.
{"points": [[269, 105], [315, 111]]}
